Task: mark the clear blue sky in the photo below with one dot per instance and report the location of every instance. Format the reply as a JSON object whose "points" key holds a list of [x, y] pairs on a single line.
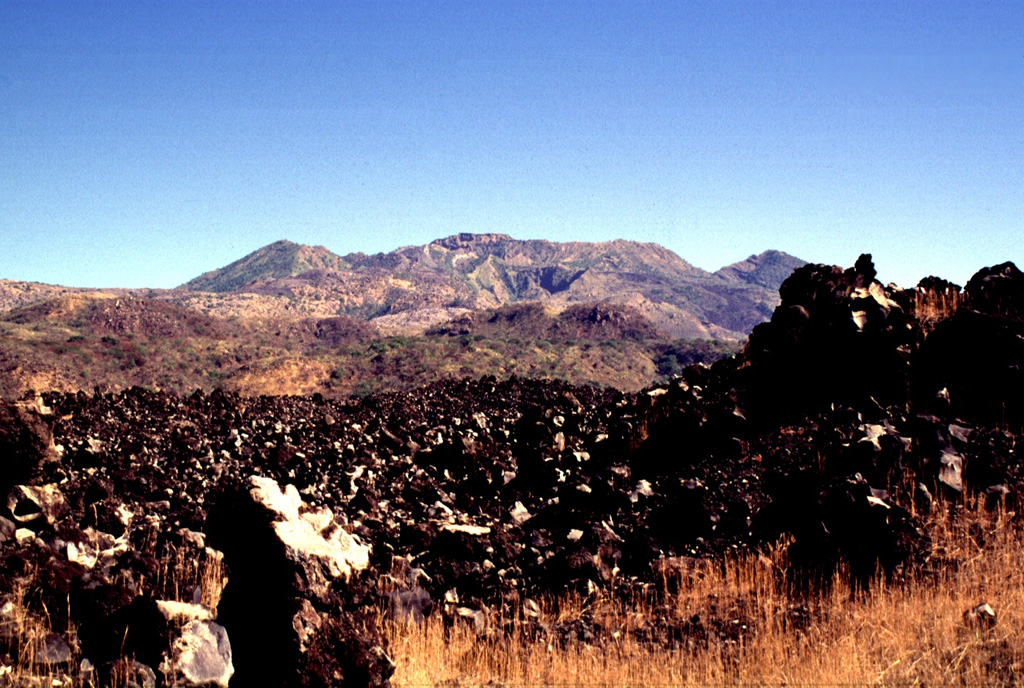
{"points": [[143, 143]]}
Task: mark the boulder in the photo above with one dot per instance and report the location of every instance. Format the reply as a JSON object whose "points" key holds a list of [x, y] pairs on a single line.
{"points": [[293, 605], [199, 655], [41, 505], [998, 291], [26, 441], [838, 336], [972, 366]]}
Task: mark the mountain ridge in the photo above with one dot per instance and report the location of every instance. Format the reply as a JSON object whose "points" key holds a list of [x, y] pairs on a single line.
{"points": [[466, 272]]}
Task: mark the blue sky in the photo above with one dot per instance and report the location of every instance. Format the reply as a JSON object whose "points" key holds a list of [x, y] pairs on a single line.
{"points": [[144, 143]]}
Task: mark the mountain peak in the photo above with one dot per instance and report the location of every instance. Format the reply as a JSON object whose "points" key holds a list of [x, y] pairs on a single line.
{"points": [[767, 269], [278, 260]]}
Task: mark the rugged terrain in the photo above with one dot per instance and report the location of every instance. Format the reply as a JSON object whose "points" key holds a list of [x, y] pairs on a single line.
{"points": [[854, 412], [292, 319], [428, 284]]}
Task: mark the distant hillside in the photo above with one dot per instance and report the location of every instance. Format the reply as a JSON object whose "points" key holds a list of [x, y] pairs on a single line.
{"points": [[294, 319], [15, 293], [99, 313], [535, 321], [467, 272], [95, 340]]}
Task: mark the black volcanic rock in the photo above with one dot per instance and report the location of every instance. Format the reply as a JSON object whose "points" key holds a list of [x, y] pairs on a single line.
{"points": [[838, 336], [970, 366], [26, 442], [997, 291]]}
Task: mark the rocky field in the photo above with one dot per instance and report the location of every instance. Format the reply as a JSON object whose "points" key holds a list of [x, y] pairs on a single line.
{"points": [[856, 412]]}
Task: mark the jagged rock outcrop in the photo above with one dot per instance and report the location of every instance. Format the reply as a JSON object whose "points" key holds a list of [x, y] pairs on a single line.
{"points": [[838, 336], [997, 291], [26, 441], [970, 366]]}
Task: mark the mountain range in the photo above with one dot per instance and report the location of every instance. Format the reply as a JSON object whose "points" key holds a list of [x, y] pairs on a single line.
{"points": [[418, 286], [295, 319]]}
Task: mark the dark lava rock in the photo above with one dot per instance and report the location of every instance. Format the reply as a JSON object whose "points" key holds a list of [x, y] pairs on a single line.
{"points": [[970, 367], [839, 336], [26, 441]]}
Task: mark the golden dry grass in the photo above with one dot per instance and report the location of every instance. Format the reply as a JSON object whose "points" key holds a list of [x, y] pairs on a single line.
{"points": [[25, 633], [911, 633], [907, 633]]}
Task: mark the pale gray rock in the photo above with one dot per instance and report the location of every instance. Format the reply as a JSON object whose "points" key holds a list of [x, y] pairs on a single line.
{"points": [[311, 536], [28, 503], [951, 470], [199, 656], [55, 650]]}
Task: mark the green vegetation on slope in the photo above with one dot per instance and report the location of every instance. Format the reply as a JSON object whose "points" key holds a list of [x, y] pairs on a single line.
{"points": [[279, 260], [111, 344]]}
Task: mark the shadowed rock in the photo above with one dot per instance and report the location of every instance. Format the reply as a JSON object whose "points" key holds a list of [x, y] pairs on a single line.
{"points": [[282, 608]]}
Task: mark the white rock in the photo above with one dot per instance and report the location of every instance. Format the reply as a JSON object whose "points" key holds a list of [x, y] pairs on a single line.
{"points": [[310, 533], [183, 610], [200, 655], [97, 548], [33, 502], [519, 513], [468, 530], [872, 432], [950, 470]]}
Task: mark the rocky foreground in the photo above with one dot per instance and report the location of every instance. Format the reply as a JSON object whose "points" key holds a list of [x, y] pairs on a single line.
{"points": [[854, 411]]}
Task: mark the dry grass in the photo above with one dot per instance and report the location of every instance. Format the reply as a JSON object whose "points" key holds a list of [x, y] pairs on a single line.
{"points": [[911, 633], [30, 647], [907, 633], [188, 573]]}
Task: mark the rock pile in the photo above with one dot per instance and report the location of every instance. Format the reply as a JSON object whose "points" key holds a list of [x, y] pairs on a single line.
{"points": [[842, 419]]}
